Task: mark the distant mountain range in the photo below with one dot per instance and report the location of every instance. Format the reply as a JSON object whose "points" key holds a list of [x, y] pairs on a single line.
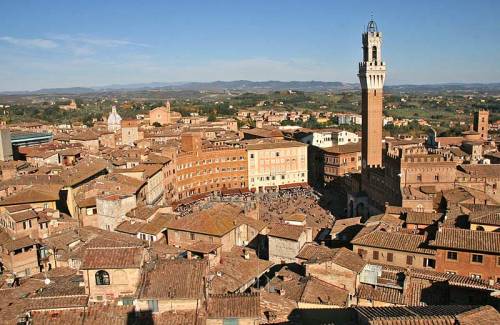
{"points": [[256, 86]]}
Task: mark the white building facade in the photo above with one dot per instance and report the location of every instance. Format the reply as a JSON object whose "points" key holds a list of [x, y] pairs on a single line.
{"points": [[274, 163]]}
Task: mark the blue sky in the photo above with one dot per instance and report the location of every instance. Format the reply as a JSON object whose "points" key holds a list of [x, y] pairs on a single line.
{"points": [[92, 43]]}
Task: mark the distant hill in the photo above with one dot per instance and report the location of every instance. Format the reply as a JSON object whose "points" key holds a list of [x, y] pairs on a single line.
{"points": [[259, 86], [446, 87]]}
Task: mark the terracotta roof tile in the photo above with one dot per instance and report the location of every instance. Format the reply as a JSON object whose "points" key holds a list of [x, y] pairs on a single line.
{"points": [[486, 216], [275, 308], [129, 227], [286, 231], [94, 315], [216, 221], [344, 257], [57, 302], [18, 243], [422, 218], [178, 317], [234, 306], [342, 149], [33, 194], [395, 240], [112, 258], [481, 315], [173, 279], [379, 293], [319, 292], [469, 240], [157, 225], [235, 271]]}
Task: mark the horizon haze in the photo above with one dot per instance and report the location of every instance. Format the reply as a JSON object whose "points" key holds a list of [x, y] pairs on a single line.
{"points": [[94, 44]]}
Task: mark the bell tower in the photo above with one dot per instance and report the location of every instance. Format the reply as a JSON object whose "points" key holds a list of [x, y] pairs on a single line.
{"points": [[371, 76]]}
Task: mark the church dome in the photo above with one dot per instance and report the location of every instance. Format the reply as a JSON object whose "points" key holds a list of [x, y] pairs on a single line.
{"points": [[114, 117], [114, 120]]}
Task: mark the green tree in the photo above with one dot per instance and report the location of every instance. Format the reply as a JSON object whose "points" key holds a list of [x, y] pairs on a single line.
{"points": [[212, 117]]}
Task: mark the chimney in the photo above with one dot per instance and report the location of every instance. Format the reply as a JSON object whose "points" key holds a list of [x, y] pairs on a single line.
{"points": [[246, 254]]}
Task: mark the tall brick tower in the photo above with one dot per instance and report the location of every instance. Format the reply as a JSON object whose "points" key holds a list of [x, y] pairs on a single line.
{"points": [[481, 124], [371, 76]]}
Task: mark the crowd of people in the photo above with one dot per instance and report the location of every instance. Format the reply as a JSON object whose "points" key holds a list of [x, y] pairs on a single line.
{"points": [[276, 206]]}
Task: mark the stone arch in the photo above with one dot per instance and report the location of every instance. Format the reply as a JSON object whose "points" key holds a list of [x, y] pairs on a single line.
{"points": [[360, 209], [102, 278], [374, 53]]}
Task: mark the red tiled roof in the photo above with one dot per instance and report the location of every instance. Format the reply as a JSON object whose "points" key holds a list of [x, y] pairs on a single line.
{"points": [[32, 194], [57, 302], [234, 306], [286, 231], [173, 279], [422, 218], [468, 240], [216, 221], [344, 257], [394, 240], [383, 294], [112, 258]]}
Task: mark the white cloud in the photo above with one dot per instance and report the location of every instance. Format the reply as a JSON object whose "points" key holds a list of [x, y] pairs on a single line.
{"points": [[96, 41], [78, 45], [30, 42]]}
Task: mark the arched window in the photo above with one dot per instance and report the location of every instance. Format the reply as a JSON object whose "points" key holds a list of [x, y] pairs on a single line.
{"points": [[480, 228], [102, 278], [374, 53]]}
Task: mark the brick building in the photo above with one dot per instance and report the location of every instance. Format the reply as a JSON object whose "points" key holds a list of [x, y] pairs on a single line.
{"points": [[201, 170], [340, 160], [468, 252], [160, 115], [395, 248]]}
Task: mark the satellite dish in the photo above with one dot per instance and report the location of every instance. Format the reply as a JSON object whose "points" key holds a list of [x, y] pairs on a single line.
{"points": [[47, 281]]}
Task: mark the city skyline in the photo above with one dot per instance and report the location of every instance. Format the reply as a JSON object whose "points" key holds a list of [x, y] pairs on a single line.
{"points": [[87, 45]]}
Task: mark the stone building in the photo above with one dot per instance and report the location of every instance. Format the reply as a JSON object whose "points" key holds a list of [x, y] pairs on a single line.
{"points": [[112, 209], [221, 224], [112, 273], [6, 153], [130, 132], [339, 266], [172, 285], [286, 241], [273, 163], [19, 256], [160, 115], [481, 124], [153, 175]]}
